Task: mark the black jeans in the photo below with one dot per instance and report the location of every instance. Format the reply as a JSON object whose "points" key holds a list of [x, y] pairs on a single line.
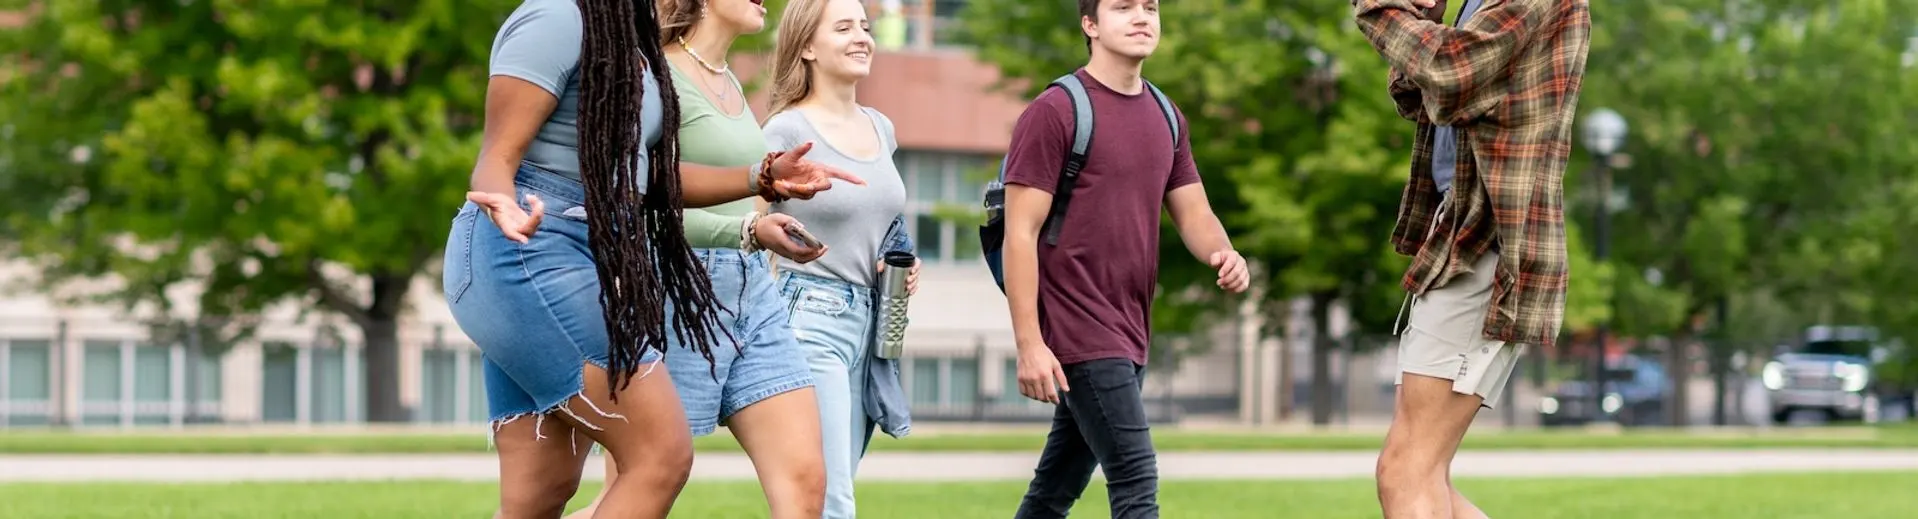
{"points": [[1101, 422]]}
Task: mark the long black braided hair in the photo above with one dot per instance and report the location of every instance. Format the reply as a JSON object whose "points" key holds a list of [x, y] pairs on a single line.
{"points": [[638, 241]]}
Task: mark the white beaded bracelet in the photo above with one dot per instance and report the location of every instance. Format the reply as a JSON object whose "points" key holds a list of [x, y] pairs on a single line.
{"points": [[747, 241]]}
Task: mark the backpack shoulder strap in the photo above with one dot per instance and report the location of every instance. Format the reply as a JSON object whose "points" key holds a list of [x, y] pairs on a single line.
{"points": [[1165, 106], [1075, 157]]}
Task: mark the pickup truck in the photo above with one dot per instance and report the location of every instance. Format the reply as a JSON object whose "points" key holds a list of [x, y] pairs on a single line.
{"points": [[1832, 375]]}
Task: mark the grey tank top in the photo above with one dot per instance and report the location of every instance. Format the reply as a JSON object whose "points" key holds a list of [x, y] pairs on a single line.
{"points": [[851, 220]]}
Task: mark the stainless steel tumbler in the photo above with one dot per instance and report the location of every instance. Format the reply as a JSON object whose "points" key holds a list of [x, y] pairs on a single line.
{"points": [[892, 304]]}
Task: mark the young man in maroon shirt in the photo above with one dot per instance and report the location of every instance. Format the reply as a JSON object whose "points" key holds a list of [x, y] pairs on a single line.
{"points": [[1080, 307]]}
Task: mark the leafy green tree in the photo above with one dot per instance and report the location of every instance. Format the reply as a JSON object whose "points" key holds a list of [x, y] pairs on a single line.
{"points": [[1747, 178], [261, 152], [1303, 153]]}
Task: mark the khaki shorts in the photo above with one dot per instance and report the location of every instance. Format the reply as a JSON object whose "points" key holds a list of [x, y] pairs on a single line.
{"points": [[1444, 336]]}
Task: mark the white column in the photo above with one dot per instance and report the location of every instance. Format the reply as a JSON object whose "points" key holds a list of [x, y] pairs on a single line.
{"points": [[303, 385], [242, 382], [945, 382], [71, 370], [176, 390], [462, 380], [126, 383]]}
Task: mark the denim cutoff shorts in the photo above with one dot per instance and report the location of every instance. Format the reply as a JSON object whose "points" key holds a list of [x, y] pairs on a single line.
{"points": [[533, 309], [764, 361]]}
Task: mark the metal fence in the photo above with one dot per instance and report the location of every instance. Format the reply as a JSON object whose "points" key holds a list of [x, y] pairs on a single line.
{"points": [[100, 372]]}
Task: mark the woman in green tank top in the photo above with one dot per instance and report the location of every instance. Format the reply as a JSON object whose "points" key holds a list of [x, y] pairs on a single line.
{"points": [[761, 389]]}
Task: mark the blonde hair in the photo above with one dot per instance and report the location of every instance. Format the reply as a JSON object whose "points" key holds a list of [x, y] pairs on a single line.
{"points": [[792, 74]]}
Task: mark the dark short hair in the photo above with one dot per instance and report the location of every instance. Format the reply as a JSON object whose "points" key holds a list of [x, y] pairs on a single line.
{"points": [[1089, 9]]}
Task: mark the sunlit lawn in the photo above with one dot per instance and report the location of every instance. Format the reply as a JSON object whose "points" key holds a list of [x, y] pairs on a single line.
{"points": [[1169, 440], [1852, 495]]}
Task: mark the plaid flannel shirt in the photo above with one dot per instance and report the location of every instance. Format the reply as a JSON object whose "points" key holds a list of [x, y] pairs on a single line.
{"points": [[1508, 82]]}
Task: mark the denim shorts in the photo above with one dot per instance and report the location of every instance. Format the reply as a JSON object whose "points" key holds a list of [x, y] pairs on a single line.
{"points": [[533, 309], [765, 361]]}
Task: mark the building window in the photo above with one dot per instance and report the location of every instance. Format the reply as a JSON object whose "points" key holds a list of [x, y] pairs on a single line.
{"points": [[944, 192], [26, 396], [476, 409], [945, 23], [100, 383], [917, 23], [311, 384], [453, 386], [942, 385], [127, 383], [280, 381]]}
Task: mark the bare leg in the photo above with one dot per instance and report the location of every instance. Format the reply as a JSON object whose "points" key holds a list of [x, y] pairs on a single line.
{"points": [[539, 462], [645, 431], [612, 473], [781, 435], [1414, 469], [1462, 508]]}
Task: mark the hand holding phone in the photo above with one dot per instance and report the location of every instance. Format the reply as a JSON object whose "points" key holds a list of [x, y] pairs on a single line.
{"points": [[798, 234]]}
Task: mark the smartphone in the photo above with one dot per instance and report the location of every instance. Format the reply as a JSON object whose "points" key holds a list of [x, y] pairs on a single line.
{"points": [[800, 235]]}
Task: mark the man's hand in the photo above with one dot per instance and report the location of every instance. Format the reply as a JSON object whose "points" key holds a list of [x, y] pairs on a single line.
{"points": [[770, 232], [1434, 10], [1233, 276], [1038, 371]]}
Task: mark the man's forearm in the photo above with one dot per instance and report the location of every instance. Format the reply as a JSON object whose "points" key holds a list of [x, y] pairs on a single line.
{"points": [[1021, 258], [1205, 237]]}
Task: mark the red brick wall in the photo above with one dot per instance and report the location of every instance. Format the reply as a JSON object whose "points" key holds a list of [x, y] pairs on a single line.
{"points": [[938, 99]]}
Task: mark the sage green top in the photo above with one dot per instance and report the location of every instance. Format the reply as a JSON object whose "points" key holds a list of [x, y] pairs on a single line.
{"points": [[710, 136]]}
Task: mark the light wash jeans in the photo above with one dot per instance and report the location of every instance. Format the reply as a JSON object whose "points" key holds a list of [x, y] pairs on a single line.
{"points": [[832, 320]]}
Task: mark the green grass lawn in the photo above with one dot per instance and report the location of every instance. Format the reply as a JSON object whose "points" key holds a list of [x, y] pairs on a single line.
{"points": [[1170, 440], [1856, 495]]}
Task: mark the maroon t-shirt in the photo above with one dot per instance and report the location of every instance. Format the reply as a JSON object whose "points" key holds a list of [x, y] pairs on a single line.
{"points": [[1095, 287]]}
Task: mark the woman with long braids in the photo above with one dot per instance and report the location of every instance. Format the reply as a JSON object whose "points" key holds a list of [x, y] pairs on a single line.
{"points": [[825, 48], [762, 391], [565, 282]]}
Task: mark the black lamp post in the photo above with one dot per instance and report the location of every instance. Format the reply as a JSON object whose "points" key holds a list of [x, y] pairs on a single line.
{"points": [[1604, 133]]}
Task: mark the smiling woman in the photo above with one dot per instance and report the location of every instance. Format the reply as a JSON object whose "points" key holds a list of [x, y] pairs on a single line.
{"points": [[825, 50]]}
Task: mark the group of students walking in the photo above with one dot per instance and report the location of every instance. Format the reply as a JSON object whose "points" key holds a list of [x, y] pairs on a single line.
{"points": [[628, 209], [575, 271]]}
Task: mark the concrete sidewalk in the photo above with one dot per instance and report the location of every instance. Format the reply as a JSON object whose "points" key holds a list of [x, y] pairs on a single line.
{"points": [[889, 466]]}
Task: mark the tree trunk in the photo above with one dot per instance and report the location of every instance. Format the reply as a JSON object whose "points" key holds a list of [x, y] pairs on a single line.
{"points": [[1678, 370], [1285, 357], [1720, 364], [383, 371], [1322, 346], [1721, 360], [381, 330]]}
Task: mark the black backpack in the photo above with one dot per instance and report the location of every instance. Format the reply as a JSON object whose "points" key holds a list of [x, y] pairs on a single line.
{"points": [[992, 235]]}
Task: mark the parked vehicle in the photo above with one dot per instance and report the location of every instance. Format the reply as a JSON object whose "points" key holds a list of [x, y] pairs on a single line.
{"points": [[1636, 389], [1834, 375]]}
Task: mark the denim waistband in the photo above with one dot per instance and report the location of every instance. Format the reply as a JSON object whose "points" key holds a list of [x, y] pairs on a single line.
{"points": [[857, 295], [558, 192], [720, 259]]}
